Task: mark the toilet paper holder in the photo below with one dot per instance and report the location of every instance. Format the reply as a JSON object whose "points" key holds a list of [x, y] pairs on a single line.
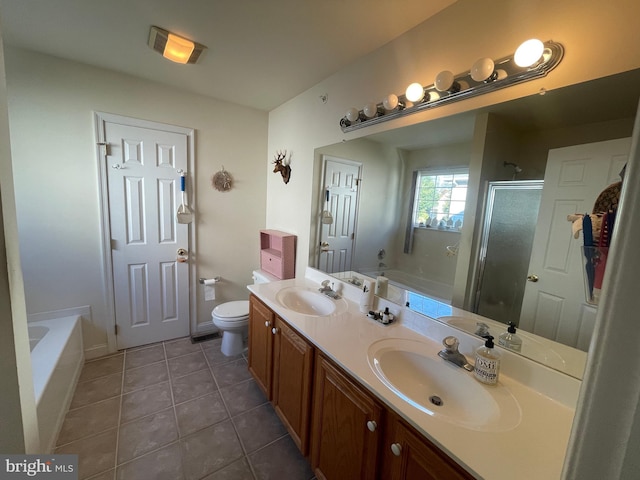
{"points": [[205, 281]]}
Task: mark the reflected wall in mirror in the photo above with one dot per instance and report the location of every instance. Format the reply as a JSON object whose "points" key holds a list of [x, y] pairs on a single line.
{"points": [[444, 263]]}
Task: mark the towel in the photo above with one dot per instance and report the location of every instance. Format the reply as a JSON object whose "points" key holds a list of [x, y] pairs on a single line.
{"points": [[576, 225]]}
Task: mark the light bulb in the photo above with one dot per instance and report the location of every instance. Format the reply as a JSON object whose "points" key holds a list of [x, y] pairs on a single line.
{"points": [[353, 114], [482, 69], [415, 92], [528, 53], [370, 110], [444, 81], [390, 101]]}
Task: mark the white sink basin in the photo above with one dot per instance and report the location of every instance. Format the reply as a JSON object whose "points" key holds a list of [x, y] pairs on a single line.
{"points": [[309, 302], [414, 372]]}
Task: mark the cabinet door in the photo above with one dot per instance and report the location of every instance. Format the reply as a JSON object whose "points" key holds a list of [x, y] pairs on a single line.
{"points": [[260, 344], [292, 378], [412, 457], [346, 424]]}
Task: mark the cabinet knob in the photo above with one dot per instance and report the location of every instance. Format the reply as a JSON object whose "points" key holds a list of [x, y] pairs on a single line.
{"points": [[274, 330], [396, 448], [371, 425], [267, 323]]}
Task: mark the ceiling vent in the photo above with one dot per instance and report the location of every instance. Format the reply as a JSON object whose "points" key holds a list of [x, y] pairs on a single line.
{"points": [[173, 47]]}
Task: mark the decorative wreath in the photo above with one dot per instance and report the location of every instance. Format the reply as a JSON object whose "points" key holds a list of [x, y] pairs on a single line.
{"points": [[222, 181]]}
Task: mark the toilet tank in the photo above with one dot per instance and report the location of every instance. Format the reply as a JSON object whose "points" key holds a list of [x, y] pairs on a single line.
{"points": [[260, 276]]}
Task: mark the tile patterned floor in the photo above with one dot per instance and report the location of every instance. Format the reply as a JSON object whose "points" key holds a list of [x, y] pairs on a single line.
{"points": [[176, 410]]}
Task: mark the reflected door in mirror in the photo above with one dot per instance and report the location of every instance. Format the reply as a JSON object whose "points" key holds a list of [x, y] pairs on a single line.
{"points": [[337, 238], [555, 305]]}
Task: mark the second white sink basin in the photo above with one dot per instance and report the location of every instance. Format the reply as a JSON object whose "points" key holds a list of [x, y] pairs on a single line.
{"points": [[309, 302], [414, 372]]}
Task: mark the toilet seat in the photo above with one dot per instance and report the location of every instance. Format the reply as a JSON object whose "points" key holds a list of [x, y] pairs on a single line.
{"points": [[232, 311], [232, 319]]}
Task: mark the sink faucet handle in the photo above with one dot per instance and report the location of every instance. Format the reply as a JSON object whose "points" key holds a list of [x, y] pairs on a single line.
{"points": [[451, 343], [482, 330]]}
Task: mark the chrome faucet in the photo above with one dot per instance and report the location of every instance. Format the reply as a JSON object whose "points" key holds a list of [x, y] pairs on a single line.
{"points": [[451, 353], [327, 289]]}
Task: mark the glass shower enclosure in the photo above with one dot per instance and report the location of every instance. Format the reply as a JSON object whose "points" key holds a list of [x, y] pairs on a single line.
{"points": [[509, 223]]}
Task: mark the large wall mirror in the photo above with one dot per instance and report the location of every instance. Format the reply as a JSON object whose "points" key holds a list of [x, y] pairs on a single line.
{"points": [[365, 189]]}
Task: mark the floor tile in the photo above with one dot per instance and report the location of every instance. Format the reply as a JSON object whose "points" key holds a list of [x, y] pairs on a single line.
{"points": [[101, 388], [214, 355], [144, 356], [238, 470], [182, 346], [141, 377], [197, 414], [185, 364], [89, 420], [209, 450], [290, 463], [101, 367], [95, 454], [258, 427], [108, 475], [163, 464], [242, 397], [193, 385], [145, 401], [231, 373], [146, 434]]}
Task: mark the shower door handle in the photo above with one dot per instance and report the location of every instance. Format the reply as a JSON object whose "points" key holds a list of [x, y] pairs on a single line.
{"points": [[532, 278]]}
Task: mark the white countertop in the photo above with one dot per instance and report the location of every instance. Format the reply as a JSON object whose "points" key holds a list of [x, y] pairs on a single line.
{"points": [[534, 449]]}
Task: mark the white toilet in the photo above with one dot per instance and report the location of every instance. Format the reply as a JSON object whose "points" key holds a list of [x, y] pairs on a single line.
{"points": [[232, 319]]}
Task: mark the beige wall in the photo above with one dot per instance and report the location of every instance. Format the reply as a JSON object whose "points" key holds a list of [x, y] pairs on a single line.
{"points": [[51, 105]]}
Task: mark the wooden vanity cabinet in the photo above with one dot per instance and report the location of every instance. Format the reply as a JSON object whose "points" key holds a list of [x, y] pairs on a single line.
{"points": [[292, 381], [281, 362], [407, 455], [261, 321], [346, 432], [347, 426]]}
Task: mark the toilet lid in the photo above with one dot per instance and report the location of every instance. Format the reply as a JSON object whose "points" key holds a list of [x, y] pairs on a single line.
{"points": [[231, 310]]}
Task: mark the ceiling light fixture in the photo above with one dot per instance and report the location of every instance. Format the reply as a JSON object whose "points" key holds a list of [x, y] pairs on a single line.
{"points": [[174, 47], [533, 59]]}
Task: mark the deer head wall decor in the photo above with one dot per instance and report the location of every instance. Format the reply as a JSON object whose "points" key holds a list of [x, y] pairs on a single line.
{"points": [[285, 170]]}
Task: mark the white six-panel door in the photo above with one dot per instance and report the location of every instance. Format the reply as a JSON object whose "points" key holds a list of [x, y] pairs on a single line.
{"points": [[555, 305], [341, 179], [150, 284]]}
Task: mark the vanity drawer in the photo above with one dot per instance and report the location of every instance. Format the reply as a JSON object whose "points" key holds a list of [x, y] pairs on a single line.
{"points": [[271, 262]]}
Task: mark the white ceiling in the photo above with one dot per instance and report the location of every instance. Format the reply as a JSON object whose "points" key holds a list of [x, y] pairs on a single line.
{"points": [[260, 53]]}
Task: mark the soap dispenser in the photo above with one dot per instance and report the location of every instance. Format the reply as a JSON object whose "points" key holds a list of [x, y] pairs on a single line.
{"points": [[487, 366], [510, 340]]}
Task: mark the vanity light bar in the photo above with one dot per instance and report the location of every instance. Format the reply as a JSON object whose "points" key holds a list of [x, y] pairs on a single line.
{"points": [[485, 76]]}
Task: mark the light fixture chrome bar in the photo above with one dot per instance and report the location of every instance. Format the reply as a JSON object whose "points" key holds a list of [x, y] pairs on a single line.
{"points": [[551, 57]]}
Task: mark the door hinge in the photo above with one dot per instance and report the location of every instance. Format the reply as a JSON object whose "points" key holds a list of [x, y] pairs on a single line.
{"points": [[353, 236], [116, 329]]}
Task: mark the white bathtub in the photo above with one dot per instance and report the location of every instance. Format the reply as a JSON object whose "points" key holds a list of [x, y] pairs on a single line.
{"points": [[57, 357]]}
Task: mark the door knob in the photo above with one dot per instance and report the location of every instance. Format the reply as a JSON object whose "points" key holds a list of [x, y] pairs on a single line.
{"points": [[267, 323], [274, 330], [371, 425], [532, 278], [396, 448]]}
